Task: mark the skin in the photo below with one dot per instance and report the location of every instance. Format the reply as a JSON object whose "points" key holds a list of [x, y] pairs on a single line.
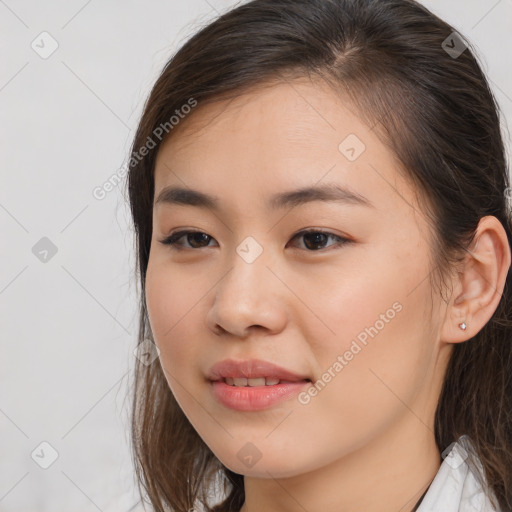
{"points": [[371, 427]]}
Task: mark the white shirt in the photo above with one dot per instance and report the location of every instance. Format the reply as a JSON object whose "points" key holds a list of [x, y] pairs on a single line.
{"points": [[455, 487]]}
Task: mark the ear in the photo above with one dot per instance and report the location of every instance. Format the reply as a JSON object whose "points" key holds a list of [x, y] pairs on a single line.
{"points": [[479, 286]]}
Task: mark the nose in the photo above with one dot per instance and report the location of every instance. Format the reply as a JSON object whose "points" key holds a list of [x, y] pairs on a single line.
{"points": [[250, 297]]}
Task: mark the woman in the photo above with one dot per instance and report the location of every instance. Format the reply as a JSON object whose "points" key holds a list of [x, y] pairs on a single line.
{"points": [[319, 193]]}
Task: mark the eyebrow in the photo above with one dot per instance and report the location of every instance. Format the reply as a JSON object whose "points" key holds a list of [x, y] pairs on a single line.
{"points": [[330, 192]]}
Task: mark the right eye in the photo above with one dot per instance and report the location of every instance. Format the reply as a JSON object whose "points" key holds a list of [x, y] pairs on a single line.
{"points": [[195, 238]]}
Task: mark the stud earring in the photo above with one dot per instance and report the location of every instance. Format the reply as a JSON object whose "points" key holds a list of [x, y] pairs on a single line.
{"points": [[463, 326]]}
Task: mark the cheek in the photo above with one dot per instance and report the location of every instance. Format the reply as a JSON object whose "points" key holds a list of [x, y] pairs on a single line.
{"points": [[376, 352], [382, 294], [347, 301], [171, 303], [171, 307]]}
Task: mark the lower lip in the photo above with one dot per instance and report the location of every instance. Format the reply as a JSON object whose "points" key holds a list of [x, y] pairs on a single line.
{"points": [[255, 398]]}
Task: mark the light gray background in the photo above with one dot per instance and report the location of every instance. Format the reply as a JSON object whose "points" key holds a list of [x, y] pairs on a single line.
{"points": [[68, 325]]}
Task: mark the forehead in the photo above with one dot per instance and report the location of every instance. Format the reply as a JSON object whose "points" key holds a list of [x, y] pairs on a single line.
{"points": [[279, 136], [298, 112]]}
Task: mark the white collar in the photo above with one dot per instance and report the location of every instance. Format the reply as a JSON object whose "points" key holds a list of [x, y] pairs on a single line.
{"points": [[456, 487]]}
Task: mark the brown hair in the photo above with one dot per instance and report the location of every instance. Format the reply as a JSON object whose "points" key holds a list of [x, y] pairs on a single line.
{"points": [[396, 61]]}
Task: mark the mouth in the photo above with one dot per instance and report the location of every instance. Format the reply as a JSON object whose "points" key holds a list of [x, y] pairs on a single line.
{"points": [[247, 398], [242, 382], [253, 385], [252, 373]]}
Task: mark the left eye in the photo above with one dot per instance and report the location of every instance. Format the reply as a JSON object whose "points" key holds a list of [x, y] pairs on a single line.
{"points": [[312, 237]]}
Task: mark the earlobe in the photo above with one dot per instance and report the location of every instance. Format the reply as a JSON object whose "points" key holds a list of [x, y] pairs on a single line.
{"points": [[480, 283]]}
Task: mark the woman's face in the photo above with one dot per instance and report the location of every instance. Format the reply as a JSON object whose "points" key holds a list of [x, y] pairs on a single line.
{"points": [[350, 312]]}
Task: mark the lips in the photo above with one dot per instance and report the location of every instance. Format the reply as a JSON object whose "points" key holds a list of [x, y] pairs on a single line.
{"points": [[254, 385], [230, 369]]}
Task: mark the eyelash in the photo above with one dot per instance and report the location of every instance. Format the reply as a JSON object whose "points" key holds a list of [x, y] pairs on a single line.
{"points": [[174, 237]]}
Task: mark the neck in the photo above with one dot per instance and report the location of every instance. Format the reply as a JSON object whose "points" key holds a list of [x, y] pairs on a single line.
{"points": [[389, 474]]}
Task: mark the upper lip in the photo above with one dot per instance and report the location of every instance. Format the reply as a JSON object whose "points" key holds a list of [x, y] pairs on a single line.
{"points": [[251, 369]]}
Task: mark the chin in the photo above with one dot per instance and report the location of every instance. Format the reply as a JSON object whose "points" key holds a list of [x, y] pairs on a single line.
{"points": [[276, 466]]}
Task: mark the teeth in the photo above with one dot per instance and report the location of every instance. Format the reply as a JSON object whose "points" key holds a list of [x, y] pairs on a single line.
{"points": [[259, 381], [256, 382]]}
